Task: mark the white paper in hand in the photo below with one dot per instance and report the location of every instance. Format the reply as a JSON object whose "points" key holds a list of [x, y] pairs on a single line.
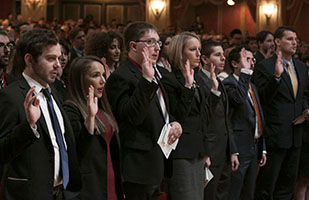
{"points": [[208, 176], [163, 141]]}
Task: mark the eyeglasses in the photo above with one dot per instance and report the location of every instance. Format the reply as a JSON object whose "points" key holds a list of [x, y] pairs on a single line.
{"points": [[9, 45], [151, 42]]}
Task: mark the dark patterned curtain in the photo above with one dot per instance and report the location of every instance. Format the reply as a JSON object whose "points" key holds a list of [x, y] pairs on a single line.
{"points": [[252, 8], [293, 9]]}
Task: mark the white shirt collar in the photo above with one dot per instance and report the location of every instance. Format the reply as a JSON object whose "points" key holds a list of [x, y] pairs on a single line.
{"points": [[32, 82], [236, 77], [207, 73]]}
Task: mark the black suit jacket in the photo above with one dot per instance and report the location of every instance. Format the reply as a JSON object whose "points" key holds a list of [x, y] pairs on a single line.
{"points": [[65, 74], [29, 161], [189, 108], [137, 110], [280, 106], [9, 79], [242, 114], [219, 132], [259, 56], [92, 156]]}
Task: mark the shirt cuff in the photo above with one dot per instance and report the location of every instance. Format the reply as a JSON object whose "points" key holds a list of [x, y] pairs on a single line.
{"points": [[35, 131], [264, 152], [246, 71], [216, 92], [235, 154]]}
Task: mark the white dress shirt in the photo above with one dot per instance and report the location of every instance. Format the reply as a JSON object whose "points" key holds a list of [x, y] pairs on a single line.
{"points": [[45, 112]]}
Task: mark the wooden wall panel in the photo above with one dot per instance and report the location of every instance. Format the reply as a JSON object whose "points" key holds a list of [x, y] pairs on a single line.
{"points": [[71, 11], [6, 8], [134, 13], [114, 12], [95, 11]]}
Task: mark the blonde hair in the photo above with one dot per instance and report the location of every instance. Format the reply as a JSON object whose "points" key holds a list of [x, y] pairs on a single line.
{"points": [[176, 47]]}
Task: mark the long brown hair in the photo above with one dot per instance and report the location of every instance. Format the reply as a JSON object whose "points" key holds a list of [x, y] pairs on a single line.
{"points": [[78, 92]]}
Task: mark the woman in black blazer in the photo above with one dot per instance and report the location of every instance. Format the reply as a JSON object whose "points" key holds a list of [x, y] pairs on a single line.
{"points": [[95, 130], [188, 105]]}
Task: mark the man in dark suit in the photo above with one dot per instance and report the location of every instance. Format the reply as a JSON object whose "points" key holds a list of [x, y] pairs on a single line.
{"points": [[139, 103], [247, 121], [222, 150], [282, 84], [77, 41], [5, 52], [266, 45], [36, 144]]}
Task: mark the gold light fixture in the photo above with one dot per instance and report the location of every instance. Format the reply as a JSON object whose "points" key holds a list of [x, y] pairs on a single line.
{"points": [[157, 7], [268, 9], [230, 2], [34, 3]]}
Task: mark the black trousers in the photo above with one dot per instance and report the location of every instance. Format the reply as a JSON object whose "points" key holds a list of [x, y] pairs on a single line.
{"points": [[135, 191], [243, 180], [276, 180], [218, 187]]}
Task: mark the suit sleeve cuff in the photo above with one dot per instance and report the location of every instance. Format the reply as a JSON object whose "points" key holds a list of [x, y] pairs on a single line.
{"points": [[247, 71], [35, 131], [216, 92]]}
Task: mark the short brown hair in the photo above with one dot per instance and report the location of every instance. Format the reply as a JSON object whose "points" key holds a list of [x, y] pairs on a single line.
{"points": [[135, 31]]}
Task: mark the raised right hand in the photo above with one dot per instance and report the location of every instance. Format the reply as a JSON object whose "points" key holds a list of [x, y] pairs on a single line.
{"points": [[188, 73], [213, 77], [244, 62], [32, 107], [92, 102], [147, 67], [92, 105], [279, 65]]}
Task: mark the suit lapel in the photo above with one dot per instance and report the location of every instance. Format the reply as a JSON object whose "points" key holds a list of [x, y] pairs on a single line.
{"points": [[300, 79], [205, 80], [25, 88], [286, 78], [258, 101], [138, 75], [134, 69]]}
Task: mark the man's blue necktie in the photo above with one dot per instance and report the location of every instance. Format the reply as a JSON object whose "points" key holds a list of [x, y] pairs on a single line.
{"points": [[58, 133]]}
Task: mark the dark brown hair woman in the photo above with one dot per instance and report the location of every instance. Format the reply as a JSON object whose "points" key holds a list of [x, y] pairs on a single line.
{"points": [[95, 130]]}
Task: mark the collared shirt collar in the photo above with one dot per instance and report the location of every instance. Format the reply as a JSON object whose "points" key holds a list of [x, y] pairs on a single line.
{"points": [[32, 82], [236, 77], [285, 61], [135, 63], [3, 79], [79, 52], [207, 73]]}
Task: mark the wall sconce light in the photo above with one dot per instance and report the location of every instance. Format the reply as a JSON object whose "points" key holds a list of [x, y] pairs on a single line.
{"points": [[157, 7], [268, 10], [230, 2], [34, 3]]}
